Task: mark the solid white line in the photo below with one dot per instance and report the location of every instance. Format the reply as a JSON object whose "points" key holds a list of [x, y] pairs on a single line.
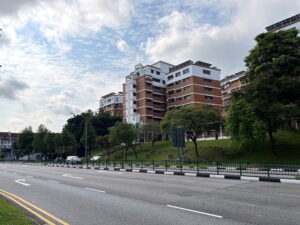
{"points": [[242, 190], [70, 176], [112, 172], [190, 210], [91, 189], [291, 195], [53, 181]]}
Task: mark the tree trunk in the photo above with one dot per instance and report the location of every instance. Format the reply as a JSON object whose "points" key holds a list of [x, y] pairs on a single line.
{"points": [[135, 153], [272, 140], [194, 140], [126, 149], [217, 135]]}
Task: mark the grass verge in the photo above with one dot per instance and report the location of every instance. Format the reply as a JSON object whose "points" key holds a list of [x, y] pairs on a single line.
{"points": [[11, 215]]}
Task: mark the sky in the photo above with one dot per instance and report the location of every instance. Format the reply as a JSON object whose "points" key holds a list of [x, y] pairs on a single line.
{"points": [[59, 57]]}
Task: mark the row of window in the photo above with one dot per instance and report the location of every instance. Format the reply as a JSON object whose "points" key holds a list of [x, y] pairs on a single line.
{"points": [[187, 97], [170, 77], [157, 72]]}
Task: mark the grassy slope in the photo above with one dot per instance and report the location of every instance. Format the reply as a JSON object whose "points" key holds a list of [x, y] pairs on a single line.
{"points": [[10, 215], [288, 145]]}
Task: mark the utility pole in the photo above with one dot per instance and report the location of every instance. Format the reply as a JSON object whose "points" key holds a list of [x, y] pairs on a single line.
{"points": [[85, 148]]}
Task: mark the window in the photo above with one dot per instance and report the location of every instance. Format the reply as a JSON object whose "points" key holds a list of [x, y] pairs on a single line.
{"points": [[164, 82], [152, 71], [207, 88], [170, 77], [186, 79], [178, 99], [186, 71], [149, 92], [187, 97], [157, 119], [156, 95], [207, 80], [171, 92], [170, 85], [177, 74], [178, 90], [178, 82], [187, 88], [206, 72], [134, 110], [149, 117], [156, 80], [149, 100], [157, 88], [156, 103], [171, 100], [157, 72], [148, 84], [134, 86], [208, 97], [157, 111], [149, 109], [134, 102], [134, 94]]}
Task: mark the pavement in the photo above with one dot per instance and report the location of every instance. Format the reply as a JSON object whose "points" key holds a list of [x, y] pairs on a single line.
{"points": [[93, 197]]}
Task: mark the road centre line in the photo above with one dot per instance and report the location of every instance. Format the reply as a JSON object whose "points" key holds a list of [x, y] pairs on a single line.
{"points": [[71, 176], [91, 189], [16, 198], [290, 195], [190, 210], [53, 181]]}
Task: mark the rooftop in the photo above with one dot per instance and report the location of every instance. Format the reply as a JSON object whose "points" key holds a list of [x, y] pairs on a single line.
{"points": [[284, 23], [190, 62], [233, 76]]}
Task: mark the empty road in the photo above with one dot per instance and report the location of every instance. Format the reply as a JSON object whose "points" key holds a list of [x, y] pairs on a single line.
{"points": [[93, 197]]}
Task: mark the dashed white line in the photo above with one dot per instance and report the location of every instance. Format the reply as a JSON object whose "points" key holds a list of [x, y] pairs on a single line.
{"points": [[53, 181], [290, 195], [91, 189], [190, 210], [30, 176], [71, 176]]}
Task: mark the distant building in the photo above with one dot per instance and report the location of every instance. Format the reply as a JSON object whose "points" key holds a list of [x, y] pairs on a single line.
{"points": [[288, 23], [229, 85], [145, 93], [193, 83], [7, 140], [112, 103]]}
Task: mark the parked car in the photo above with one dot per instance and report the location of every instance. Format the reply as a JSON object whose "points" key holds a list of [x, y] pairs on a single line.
{"points": [[73, 159], [95, 158]]}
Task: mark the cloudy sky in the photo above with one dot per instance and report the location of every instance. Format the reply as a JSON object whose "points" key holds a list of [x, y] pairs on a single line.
{"points": [[60, 56]]}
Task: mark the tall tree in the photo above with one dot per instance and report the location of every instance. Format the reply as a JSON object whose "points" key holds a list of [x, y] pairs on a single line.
{"points": [[195, 120], [49, 141], [126, 134], [273, 69], [68, 141], [149, 132], [38, 140], [24, 141]]}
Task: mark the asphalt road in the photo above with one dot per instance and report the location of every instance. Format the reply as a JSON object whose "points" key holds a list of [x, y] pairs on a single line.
{"points": [[94, 197]]}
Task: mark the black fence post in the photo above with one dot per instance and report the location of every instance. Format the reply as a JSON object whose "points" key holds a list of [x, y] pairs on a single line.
{"points": [[122, 164], [240, 166], [197, 166], [114, 164], [217, 167], [268, 169], [131, 164], [181, 165], [142, 164], [153, 165], [106, 164], [166, 165]]}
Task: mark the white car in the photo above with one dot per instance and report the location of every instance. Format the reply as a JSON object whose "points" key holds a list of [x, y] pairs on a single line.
{"points": [[73, 159], [95, 158]]}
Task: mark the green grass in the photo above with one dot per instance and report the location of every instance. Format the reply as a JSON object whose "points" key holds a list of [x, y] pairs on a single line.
{"points": [[10, 215], [288, 147]]}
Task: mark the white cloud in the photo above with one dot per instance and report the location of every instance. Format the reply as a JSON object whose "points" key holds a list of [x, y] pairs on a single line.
{"points": [[122, 45], [181, 37]]}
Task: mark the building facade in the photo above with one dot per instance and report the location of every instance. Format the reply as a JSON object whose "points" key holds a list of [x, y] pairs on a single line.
{"points": [[144, 97], [230, 84], [192, 83], [291, 22], [7, 140], [112, 103]]}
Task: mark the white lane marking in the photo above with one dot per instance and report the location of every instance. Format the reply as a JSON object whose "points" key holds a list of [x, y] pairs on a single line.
{"points": [[290, 181], [53, 181], [30, 176], [290, 195], [104, 171], [71, 176], [243, 190], [190, 210], [91, 189], [22, 181]]}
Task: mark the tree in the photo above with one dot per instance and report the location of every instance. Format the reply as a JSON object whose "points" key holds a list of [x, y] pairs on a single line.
{"points": [[195, 120], [104, 142], [38, 140], [49, 141], [126, 134], [273, 68], [68, 141], [24, 141], [242, 124], [149, 132], [89, 135]]}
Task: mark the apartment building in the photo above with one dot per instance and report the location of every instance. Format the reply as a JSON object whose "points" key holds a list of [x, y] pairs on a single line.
{"points": [[112, 103], [288, 23], [7, 140], [230, 84], [144, 98], [193, 83]]}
